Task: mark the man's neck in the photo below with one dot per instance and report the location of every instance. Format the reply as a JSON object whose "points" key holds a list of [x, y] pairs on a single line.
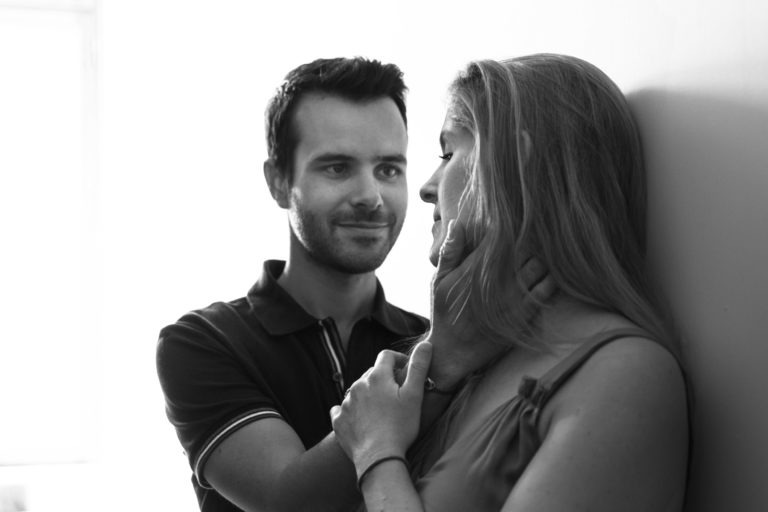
{"points": [[325, 292]]}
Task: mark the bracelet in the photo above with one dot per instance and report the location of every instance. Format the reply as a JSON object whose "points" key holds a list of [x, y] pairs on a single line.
{"points": [[431, 387], [376, 463]]}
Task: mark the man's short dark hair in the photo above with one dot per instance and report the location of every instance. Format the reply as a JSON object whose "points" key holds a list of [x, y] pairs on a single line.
{"points": [[355, 79]]}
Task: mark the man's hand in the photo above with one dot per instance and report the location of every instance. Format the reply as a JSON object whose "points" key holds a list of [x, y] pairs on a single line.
{"points": [[378, 416]]}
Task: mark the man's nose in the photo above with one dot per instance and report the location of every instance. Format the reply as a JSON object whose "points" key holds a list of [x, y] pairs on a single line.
{"points": [[367, 193]]}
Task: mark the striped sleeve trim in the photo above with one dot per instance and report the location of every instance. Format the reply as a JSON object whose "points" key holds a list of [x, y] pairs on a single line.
{"points": [[221, 434]]}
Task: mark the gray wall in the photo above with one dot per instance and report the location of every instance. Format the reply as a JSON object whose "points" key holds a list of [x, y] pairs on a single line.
{"points": [[708, 161]]}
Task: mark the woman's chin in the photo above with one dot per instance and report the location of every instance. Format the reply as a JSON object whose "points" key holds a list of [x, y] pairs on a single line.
{"points": [[434, 254]]}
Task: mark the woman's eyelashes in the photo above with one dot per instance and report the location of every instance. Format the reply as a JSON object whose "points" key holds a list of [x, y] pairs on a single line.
{"points": [[446, 156]]}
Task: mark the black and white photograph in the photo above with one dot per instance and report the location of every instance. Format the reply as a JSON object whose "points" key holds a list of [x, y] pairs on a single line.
{"points": [[383, 256]]}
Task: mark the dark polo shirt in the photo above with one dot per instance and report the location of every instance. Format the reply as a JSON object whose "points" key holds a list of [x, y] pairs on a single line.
{"points": [[263, 356]]}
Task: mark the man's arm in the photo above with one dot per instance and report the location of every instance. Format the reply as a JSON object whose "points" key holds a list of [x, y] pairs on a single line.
{"points": [[264, 466], [261, 465]]}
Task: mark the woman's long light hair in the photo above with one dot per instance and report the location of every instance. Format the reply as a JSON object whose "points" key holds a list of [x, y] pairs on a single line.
{"points": [[556, 173]]}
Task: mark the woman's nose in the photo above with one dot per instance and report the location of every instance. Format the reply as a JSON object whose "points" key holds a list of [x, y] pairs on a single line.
{"points": [[428, 191]]}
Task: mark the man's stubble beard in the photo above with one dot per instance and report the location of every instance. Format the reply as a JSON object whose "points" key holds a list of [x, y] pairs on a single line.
{"points": [[345, 255]]}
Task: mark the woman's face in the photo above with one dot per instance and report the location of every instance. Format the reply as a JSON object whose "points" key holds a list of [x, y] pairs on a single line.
{"points": [[445, 186]]}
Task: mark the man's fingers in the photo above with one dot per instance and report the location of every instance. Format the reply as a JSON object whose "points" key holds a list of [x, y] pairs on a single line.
{"points": [[400, 360], [418, 366], [385, 358], [401, 368], [385, 365]]}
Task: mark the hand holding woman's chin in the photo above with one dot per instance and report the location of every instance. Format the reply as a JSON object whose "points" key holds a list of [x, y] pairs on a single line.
{"points": [[460, 346]]}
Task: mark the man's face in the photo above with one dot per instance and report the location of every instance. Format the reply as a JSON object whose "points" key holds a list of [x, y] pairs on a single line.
{"points": [[348, 197]]}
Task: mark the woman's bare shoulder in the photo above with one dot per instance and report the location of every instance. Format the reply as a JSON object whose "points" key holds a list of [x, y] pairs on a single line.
{"points": [[627, 402], [632, 375]]}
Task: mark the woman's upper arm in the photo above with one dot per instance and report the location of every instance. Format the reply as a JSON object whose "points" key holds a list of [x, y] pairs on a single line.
{"points": [[616, 437]]}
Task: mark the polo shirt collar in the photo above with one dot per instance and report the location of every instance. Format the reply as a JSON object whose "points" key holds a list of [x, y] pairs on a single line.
{"points": [[394, 319], [279, 314]]}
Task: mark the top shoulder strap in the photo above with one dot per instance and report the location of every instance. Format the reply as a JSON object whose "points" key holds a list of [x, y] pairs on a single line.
{"points": [[558, 374]]}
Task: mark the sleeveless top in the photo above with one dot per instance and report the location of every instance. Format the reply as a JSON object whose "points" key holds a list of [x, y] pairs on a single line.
{"points": [[477, 469]]}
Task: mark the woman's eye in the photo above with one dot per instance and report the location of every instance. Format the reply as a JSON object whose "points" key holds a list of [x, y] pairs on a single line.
{"points": [[446, 156]]}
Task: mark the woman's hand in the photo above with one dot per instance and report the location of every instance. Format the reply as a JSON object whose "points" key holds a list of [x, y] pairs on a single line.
{"points": [[379, 417], [459, 349]]}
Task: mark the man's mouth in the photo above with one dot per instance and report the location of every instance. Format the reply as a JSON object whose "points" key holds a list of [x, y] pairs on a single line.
{"points": [[364, 225]]}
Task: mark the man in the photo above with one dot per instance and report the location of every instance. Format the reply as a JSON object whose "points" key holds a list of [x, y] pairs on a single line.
{"points": [[249, 383]]}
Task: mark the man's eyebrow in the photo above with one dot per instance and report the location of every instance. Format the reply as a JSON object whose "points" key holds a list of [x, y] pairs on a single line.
{"points": [[322, 158], [332, 157], [393, 159]]}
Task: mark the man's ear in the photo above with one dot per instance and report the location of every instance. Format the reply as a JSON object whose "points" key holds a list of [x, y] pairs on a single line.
{"points": [[277, 183]]}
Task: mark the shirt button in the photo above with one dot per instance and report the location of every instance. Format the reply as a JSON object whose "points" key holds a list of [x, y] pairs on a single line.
{"points": [[336, 377]]}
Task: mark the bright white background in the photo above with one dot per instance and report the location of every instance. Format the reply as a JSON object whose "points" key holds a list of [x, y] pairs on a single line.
{"points": [[132, 192]]}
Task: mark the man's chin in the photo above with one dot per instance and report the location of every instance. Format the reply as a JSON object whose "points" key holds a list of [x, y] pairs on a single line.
{"points": [[358, 266], [360, 262]]}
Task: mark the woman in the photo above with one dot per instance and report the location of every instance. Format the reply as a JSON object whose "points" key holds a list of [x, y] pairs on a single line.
{"points": [[583, 408]]}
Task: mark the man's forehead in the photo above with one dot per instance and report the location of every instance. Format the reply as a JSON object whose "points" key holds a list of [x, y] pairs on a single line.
{"points": [[318, 106], [333, 125]]}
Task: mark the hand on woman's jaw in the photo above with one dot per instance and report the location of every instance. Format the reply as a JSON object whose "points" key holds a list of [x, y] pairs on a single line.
{"points": [[459, 348]]}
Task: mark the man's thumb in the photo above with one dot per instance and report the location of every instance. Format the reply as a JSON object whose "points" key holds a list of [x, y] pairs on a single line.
{"points": [[418, 365]]}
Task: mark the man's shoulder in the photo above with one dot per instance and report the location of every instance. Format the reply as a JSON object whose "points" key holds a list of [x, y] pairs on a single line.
{"points": [[262, 295], [220, 323], [213, 315]]}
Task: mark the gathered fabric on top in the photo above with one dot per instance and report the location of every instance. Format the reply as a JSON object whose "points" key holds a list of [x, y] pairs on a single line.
{"points": [[477, 469]]}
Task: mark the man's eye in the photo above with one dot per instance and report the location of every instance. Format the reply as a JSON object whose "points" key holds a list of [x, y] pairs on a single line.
{"points": [[390, 172], [336, 169], [446, 156]]}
